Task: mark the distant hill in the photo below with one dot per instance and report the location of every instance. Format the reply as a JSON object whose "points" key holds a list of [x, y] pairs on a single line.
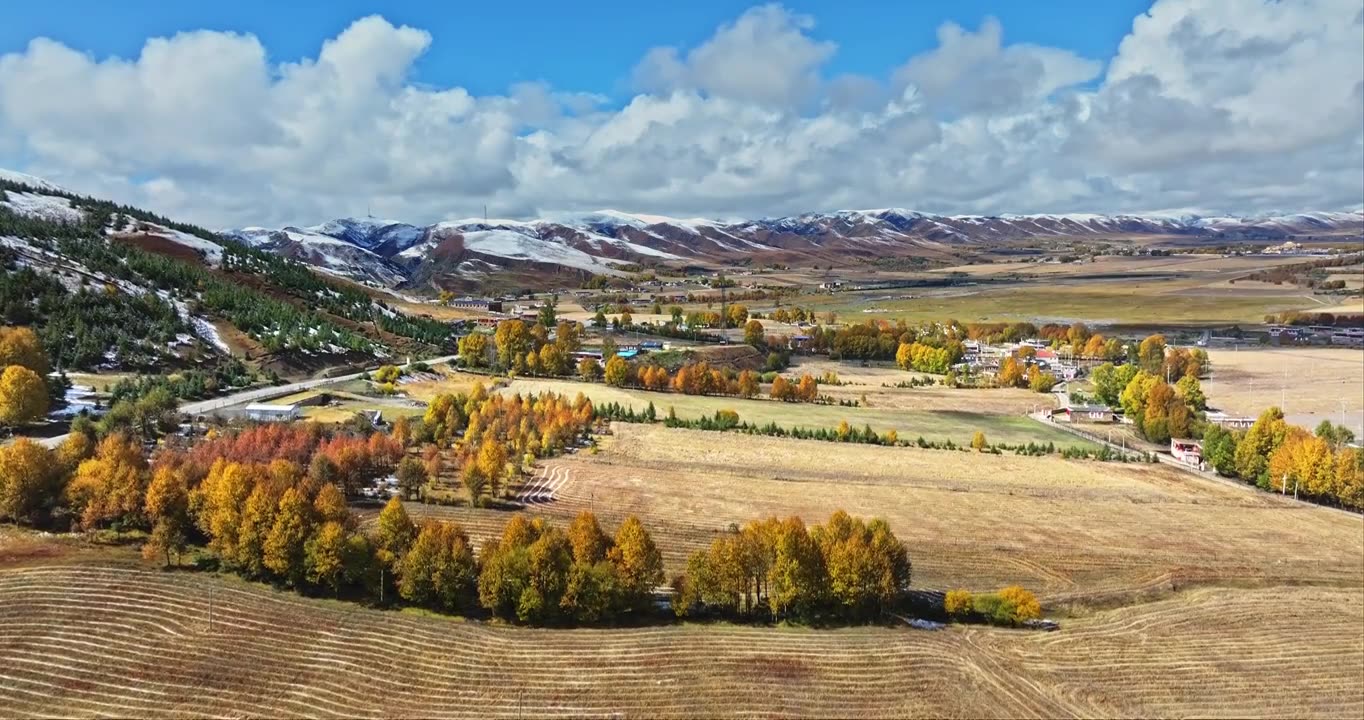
{"points": [[464, 253]]}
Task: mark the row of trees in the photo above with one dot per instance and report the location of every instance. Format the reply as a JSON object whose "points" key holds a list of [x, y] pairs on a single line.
{"points": [[924, 357], [1276, 456], [772, 568], [699, 378]]}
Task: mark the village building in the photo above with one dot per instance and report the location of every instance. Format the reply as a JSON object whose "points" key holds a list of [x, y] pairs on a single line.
{"points": [[264, 412], [473, 303], [1084, 414], [1230, 422], [1189, 452]]}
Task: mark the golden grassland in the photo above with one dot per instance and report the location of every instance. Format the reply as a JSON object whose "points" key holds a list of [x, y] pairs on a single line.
{"points": [[84, 641], [1177, 596], [990, 411], [1070, 530], [1131, 301], [1311, 383]]}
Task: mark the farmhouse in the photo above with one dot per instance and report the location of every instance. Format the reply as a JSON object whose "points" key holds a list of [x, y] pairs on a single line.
{"points": [[263, 412], [1188, 452], [1084, 414]]}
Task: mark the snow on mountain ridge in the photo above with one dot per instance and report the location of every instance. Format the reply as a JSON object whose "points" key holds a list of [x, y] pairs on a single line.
{"points": [[15, 176]]}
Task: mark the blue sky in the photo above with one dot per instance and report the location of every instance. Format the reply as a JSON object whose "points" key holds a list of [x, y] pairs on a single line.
{"points": [[588, 46], [268, 113]]}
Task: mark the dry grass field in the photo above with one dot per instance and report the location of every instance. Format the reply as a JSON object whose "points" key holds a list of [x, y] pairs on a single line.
{"points": [[1128, 264], [1132, 301], [871, 381], [79, 639], [1312, 383], [990, 411], [1078, 533]]}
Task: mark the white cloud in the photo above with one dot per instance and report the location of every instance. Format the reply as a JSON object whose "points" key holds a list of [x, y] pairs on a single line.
{"points": [[1223, 106], [974, 72], [763, 57]]}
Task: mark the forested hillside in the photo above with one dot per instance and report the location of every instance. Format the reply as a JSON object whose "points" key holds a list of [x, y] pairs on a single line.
{"points": [[73, 268]]}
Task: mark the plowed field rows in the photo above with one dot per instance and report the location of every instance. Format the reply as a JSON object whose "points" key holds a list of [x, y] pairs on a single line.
{"points": [[87, 641]]}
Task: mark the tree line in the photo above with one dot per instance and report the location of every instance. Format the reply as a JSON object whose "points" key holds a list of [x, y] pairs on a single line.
{"points": [[1273, 455], [726, 420], [847, 568]]}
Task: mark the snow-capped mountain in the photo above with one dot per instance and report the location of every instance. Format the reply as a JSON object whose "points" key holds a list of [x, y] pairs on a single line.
{"points": [[602, 242]]}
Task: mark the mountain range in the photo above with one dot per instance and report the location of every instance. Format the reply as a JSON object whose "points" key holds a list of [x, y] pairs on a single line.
{"points": [[461, 254]]}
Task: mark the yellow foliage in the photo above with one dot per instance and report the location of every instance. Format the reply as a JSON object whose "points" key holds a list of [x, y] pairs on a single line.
{"points": [[1025, 603], [957, 603], [23, 395], [20, 346]]}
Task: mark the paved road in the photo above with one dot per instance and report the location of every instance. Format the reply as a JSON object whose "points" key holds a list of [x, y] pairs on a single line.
{"points": [[200, 407]]}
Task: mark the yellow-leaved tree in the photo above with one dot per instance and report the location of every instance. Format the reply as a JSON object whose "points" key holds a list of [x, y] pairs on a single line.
{"points": [[30, 480], [23, 396], [20, 346], [110, 487]]}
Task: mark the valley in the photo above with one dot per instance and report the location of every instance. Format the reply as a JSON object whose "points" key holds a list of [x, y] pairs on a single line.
{"points": [[878, 463]]}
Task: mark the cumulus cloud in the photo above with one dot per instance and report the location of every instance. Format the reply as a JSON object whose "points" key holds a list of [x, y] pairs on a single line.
{"points": [[1211, 106], [974, 72], [766, 57]]}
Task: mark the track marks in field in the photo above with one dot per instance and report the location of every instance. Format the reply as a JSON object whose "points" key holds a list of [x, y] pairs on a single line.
{"points": [[81, 640], [545, 487]]}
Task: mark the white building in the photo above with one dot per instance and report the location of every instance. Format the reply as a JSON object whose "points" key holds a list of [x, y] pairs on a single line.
{"points": [[262, 412]]}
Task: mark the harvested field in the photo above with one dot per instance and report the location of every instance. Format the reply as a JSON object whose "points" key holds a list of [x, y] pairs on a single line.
{"points": [[1108, 264], [944, 422], [85, 641], [871, 381], [1134, 300], [1074, 532], [1312, 383]]}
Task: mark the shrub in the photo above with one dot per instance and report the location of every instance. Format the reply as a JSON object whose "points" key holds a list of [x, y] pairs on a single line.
{"points": [[957, 603], [1025, 605], [993, 608]]}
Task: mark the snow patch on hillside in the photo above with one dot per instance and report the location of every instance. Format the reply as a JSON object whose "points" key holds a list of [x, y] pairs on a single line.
{"points": [[15, 176], [213, 252], [513, 245], [44, 207]]}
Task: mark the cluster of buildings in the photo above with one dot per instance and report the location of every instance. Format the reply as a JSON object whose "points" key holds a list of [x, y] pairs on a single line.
{"points": [[1317, 334]]}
